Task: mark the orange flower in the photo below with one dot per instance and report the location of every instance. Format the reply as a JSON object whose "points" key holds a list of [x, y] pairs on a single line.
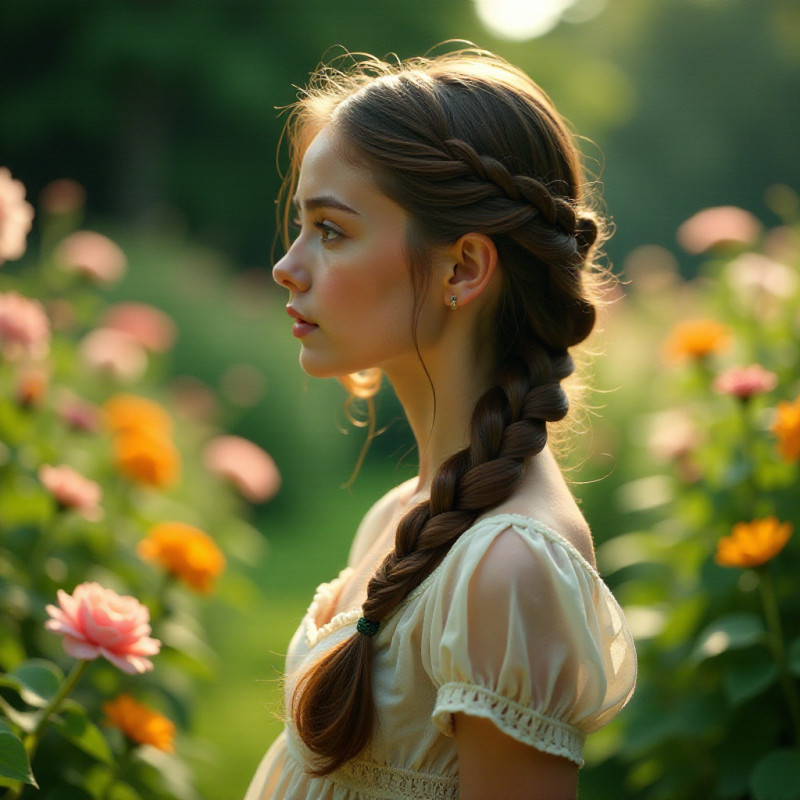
{"points": [[696, 338], [185, 552], [147, 457], [126, 413], [140, 723], [786, 427], [753, 543]]}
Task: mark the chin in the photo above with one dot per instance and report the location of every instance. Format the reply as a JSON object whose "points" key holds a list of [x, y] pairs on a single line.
{"points": [[320, 369]]}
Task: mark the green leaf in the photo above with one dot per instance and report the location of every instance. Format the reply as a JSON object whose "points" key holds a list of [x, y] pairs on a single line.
{"points": [[74, 725], [14, 763], [25, 719], [794, 657], [730, 632], [11, 651], [751, 673], [777, 776], [36, 681]]}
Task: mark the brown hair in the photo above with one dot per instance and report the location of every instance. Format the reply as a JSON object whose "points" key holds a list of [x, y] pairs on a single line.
{"points": [[464, 142]]}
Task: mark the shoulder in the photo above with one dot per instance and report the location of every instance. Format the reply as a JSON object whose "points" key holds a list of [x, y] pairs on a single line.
{"points": [[545, 498], [506, 550], [376, 520]]}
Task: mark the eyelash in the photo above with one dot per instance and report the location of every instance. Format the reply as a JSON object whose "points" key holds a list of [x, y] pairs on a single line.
{"points": [[326, 229]]}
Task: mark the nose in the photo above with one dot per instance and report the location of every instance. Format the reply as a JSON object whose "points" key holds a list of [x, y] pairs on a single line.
{"points": [[290, 273]]}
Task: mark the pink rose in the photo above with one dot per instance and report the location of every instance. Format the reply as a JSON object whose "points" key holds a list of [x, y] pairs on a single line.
{"points": [[251, 470], [72, 490], [95, 621], [16, 217], [744, 382], [62, 196], [716, 227], [92, 255], [78, 413], [24, 327], [114, 353], [150, 326]]}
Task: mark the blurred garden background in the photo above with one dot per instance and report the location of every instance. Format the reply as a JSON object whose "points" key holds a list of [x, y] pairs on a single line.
{"points": [[163, 116]]}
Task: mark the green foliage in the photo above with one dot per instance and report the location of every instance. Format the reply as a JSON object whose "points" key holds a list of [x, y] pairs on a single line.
{"points": [[56, 729], [716, 712], [170, 110]]}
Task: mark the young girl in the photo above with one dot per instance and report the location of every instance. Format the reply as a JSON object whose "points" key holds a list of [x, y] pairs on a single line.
{"points": [[445, 240]]}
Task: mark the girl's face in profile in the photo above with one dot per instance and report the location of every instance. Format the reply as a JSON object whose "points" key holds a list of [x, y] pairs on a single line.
{"points": [[350, 289]]}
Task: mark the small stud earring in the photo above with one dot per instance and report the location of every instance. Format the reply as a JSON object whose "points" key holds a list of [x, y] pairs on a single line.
{"points": [[453, 302]]}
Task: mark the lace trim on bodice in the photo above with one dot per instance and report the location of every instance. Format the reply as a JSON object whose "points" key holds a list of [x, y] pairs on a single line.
{"points": [[324, 597], [376, 782], [520, 722], [389, 783]]}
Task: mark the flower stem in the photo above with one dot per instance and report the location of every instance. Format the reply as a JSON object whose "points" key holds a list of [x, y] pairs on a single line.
{"points": [[773, 618], [67, 685], [35, 737]]}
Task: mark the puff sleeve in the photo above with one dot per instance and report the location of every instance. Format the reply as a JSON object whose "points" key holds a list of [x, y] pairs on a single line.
{"points": [[521, 630]]}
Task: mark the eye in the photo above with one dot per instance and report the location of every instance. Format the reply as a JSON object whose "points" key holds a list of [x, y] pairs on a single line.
{"points": [[329, 233]]}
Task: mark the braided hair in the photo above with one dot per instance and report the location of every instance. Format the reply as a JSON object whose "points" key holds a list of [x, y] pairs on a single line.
{"points": [[463, 142]]}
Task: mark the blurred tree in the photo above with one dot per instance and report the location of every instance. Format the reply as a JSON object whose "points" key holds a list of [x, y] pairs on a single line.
{"points": [[152, 102], [167, 108]]}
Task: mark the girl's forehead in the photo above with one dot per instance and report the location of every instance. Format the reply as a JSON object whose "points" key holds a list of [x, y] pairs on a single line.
{"points": [[326, 171]]}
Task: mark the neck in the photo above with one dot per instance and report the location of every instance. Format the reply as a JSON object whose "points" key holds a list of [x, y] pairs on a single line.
{"points": [[440, 428]]}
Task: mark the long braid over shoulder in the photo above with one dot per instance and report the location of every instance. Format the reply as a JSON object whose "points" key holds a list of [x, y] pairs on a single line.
{"points": [[464, 143]]}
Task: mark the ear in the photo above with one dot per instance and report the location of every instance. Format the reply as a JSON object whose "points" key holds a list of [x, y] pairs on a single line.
{"points": [[472, 266]]}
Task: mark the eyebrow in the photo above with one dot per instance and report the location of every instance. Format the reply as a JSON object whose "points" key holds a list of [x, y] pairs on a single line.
{"points": [[324, 201]]}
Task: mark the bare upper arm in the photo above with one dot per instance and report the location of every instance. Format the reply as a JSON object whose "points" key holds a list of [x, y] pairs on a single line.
{"points": [[494, 765]]}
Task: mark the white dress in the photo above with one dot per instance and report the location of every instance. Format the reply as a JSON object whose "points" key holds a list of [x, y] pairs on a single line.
{"points": [[514, 626]]}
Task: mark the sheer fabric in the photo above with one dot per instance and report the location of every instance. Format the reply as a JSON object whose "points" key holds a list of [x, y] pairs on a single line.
{"points": [[514, 625]]}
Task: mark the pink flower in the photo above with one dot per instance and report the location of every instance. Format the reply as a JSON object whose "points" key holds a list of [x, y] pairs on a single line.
{"points": [[115, 353], [150, 326], [755, 276], [251, 470], [16, 217], [92, 255], [24, 327], [744, 382], [78, 413], [62, 196], [95, 621], [716, 227], [672, 435], [72, 490]]}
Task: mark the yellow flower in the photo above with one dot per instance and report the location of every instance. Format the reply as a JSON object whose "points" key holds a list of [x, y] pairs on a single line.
{"points": [[140, 723], [786, 428], [184, 551], [696, 338], [127, 413], [147, 457], [753, 543]]}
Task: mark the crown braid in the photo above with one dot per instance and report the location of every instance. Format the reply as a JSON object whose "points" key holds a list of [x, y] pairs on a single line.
{"points": [[440, 138]]}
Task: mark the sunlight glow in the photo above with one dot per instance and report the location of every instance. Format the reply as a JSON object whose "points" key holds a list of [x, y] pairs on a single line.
{"points": [[526, 19]]}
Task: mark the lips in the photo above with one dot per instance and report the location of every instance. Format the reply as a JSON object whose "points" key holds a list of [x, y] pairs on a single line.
{"points": [[302, 326], [295, 314]]}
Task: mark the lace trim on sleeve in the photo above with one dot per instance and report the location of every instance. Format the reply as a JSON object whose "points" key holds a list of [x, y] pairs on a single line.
{"points": [[520, 722]]}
